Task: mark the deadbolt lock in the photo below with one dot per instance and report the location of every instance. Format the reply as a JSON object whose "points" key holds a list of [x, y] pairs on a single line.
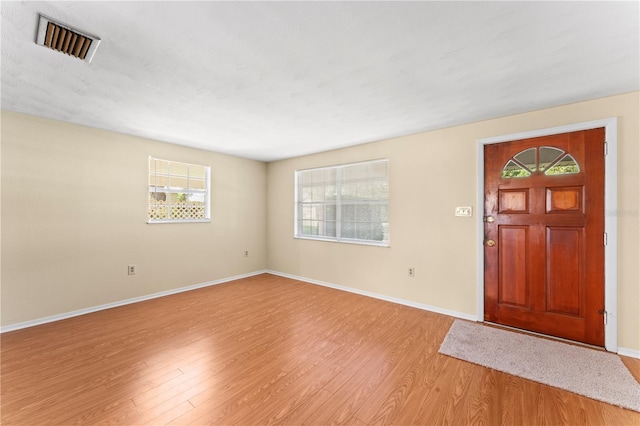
{"points": [[489, 219]]}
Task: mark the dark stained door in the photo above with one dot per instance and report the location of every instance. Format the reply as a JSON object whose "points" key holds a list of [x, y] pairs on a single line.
{"points": [[544, 235]]}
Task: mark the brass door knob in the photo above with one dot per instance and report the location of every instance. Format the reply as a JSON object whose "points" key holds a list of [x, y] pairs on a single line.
{"points": [[490, 243]]}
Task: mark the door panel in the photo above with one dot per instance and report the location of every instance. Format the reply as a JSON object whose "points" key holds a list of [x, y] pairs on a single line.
{"points": [[565, 270], [513, 270], [514, 200], [545, 200], [565, 199]]}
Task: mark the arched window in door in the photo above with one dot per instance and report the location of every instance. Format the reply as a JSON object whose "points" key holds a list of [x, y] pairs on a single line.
{"points": [[545, 159]]}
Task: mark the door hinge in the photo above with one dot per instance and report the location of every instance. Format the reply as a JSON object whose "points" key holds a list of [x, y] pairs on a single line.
{"points": [[606, 148], [604, 314], [606, 238]]}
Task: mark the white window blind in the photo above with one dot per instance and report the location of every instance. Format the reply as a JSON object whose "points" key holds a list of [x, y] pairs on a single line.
{"points": [[347, 203], [178, 192]]}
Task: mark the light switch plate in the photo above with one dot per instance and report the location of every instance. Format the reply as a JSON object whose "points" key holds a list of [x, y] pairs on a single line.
{"points": [[464, 211]]}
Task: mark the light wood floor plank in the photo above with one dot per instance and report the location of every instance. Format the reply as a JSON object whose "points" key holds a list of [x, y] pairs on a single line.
{"points": [[268, 350]]}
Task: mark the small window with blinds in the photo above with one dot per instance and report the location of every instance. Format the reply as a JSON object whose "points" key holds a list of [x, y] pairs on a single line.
{"points": [[345, 203], [178, 192]]}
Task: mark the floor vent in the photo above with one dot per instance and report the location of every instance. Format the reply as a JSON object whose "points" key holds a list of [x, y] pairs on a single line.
{"points": [[66, 39]]}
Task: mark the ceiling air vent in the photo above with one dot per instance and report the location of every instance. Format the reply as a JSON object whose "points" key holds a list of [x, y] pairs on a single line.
{"points": [[66, 39]]}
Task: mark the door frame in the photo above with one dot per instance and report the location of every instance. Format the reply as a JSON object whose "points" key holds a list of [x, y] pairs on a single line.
{"points": [[610, 218]]}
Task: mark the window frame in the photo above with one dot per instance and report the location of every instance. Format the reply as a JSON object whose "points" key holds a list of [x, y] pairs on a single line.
{"points": [[179, 190], [339, 204]]}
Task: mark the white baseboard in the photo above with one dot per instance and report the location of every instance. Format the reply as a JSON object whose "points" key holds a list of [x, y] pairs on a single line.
{"points": [[632, 353], [404, 302], [85, 311]]}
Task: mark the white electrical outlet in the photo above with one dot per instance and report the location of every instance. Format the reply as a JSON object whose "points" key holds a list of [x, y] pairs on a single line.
{"points": [[412, 272], [131, 269]]}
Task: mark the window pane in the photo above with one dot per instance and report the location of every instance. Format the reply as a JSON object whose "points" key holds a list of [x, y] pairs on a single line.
{"points": [[178, 182], [365, 190], [330, 229], [548, 155], [317, 193], [306, 194], [317, 176], [197, 171], [200, 199], [348, 230], [330, 192], [162, 181], [168, 196], [318, 211], [180, 169], [380, 189], [566, 166], [177, 211], [306, 211], [180, 198], [353, 173], [527, 158], [514, 170], [157, 211], [343, 202], [378, 232], [363, 231], [379, 213], [162, 166], [363, 213], [379, 170], [310, 227], [157, 196], [330, 212], [348, 212], [197, 184], [349, 191], [197, 212]]}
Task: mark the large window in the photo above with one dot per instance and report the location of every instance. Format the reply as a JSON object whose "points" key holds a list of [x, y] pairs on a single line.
{"points": [[348, 203], [178, 192]]}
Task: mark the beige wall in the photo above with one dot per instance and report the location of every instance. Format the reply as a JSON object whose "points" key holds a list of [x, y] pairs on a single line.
{"points": [[74, 216], [430, 174]]}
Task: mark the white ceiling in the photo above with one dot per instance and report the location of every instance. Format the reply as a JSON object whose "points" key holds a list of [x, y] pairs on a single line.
{"points": [[272, 80]]}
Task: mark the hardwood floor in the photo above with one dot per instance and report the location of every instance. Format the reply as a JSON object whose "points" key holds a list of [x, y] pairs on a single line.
{"points": [[267, 350]]}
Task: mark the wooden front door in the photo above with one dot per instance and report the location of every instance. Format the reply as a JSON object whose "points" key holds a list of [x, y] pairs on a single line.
{"points": [[544, 235]]}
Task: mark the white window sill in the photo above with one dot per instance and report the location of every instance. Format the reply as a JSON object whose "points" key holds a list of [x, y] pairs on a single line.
{"points": [[346, 241], [153, 222]]}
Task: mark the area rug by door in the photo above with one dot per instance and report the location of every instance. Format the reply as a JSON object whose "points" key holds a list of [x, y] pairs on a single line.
{"points": [[589, 372]]}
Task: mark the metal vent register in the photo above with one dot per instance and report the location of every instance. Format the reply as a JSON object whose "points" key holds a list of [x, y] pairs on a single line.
{"points": [[66, 39]]}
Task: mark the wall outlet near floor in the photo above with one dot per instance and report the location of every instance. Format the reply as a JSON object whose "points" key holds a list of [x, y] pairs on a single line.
{"points": [[412, 272], [131, 269]]}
